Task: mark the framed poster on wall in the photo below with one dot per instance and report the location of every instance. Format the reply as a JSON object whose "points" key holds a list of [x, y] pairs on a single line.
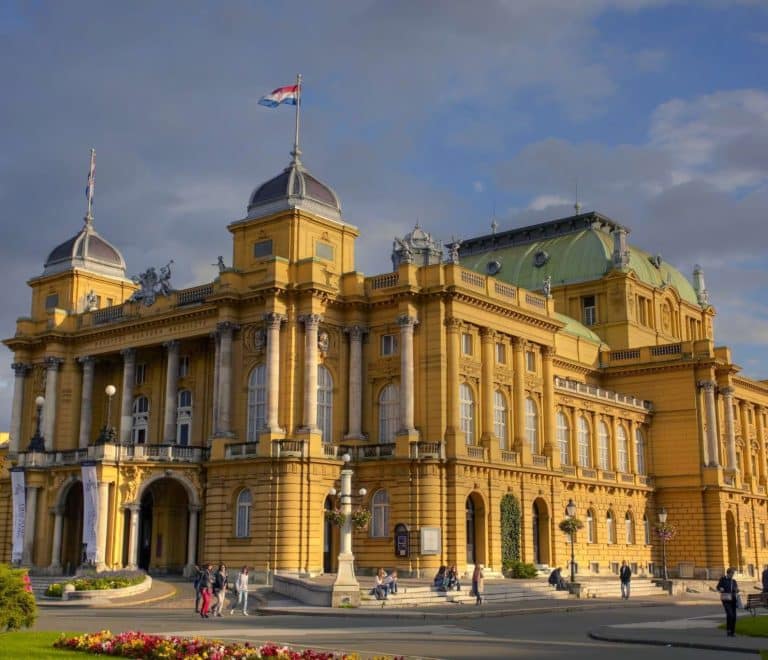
{"points": [[431, 541]]}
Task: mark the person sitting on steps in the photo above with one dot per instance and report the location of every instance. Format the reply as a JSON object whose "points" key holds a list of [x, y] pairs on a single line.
{"points": [[390, 581], [452, 579], [439, 580]]}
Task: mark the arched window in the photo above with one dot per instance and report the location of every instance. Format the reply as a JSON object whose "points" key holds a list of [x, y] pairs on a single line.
{"points": [[532, 425], [629, 528], [610, 527], [257, 402], [325, 403], [591, 530], [467, 413], [603, 451], [621, 450], [582, 442], [563, 438], [183, 417], [640, 451], [389, 413], [243, 522], [500, 418], [140, 420], [380, 514], [646, 530]]}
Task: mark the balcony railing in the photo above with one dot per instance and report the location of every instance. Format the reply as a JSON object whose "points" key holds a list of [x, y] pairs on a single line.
{"points": [[540, 461], [570, 470], [290, 448], [511, 457], [600, 393], [242, 450], [194, 295], [476, 452], [427, 450], [113, 452]]}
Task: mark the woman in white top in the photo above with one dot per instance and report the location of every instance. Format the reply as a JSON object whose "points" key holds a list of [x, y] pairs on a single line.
{"points": [[241, 587]]}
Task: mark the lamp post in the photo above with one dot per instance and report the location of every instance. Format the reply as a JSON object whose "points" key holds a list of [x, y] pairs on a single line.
{"points": [[37, 442], [663, 521], [570, 511], [107, 432], [346, 589]]}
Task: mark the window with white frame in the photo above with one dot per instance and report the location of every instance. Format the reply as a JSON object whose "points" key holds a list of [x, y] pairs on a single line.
{"points": [[582, 442], [467, 413], [243, 521], [257, 402], [530, 361], [140, 374], [388, 345], [183, 417], [532, 425], [183, 366], [325, 403], [140, 420], [640, 451], [501, 353], [380, 514], [603, 451], [610, 528], [629, 528], [591, 531], [646, 530], [563, 438], [588, 310], [389, 413], [500, 418], [622, 457], [466, 343]]}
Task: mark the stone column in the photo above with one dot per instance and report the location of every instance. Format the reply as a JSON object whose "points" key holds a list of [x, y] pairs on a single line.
{"points": [[518, 395], [101, 534], [126, 394], [171, 391], [20, 371], [631, 446], [761, 454], [711, 453], [406, 323], [49, 409], [355, 333], [133, 536], [311, 324], [216, 361], [747, 457], [58, 523], [487, 345], [273, 322], [548, 405], [453, 327], [226, 330], [730, 431], [29, 526], [594, 452], [194, 510], [86, 401]]}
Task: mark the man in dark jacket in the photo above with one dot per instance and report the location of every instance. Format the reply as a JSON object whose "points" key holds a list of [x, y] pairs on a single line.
{"points": [[765, 580], [625, 575]]}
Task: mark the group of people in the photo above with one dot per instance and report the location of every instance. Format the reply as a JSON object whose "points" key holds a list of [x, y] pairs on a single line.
{"points": [[211, 590], [385, 584], [447, 579]]}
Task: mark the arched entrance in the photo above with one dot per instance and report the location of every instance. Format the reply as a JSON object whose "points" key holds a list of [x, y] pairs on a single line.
{"points": [[475, 529], [733, 545], [540, 531], [163, 526], [330, 540], [72, 553]]}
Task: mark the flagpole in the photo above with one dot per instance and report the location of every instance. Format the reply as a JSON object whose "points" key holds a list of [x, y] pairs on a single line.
{"points": [[89, 212], [296, 151]]}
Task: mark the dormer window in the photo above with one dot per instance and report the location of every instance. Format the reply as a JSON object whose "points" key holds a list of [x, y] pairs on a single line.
{"points": [[262, 249], [324, 251]]}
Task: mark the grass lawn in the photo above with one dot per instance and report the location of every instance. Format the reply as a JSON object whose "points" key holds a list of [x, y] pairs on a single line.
{"points": [[752, 626], [35, 645]]}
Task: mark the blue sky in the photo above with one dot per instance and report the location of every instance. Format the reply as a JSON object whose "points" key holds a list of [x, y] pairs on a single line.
{"points": [[436, 112]]}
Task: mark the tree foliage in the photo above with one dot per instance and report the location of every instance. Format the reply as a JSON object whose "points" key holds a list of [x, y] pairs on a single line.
{"points": [[510, 529], [18, 604]]}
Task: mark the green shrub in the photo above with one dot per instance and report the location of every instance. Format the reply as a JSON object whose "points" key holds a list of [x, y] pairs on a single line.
{"points": [[519, 569], [54, 590], [19, 609]]}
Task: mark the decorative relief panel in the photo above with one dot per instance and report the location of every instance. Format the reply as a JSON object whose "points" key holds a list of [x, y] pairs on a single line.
{"points": [[254, 338]]}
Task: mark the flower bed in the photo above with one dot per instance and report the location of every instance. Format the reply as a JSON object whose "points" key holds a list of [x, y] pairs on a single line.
{"points": [[140, 645], [103, 582]]}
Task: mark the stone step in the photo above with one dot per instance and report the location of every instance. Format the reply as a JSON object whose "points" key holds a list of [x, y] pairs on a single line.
{"points": [[612, 589]]}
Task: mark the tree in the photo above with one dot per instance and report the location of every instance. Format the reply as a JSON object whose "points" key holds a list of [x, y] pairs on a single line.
{"points": [[19, 609], [510, 529]]}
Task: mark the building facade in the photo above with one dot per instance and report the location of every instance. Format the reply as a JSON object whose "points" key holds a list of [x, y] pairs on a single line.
{"points": [[477, 388]]}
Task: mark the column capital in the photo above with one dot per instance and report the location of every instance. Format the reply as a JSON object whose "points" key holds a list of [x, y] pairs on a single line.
{"points": [[57, 510], [707, 385], [86, 360], [21, 369], [727, 391], [226, 327], [488, 334], [172, 345], [453, 324], [356, 332], [310, 321], [132, 507], [407, 321], [129, 354], [52, 362], [273, 319], [194, 508], [518, 343], [547, 352]]}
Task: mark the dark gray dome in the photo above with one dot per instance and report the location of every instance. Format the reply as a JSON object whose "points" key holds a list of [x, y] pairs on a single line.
{"points": [[86, 249]]}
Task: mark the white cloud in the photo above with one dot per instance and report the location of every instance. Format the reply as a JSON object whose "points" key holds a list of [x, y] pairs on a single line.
{"points": [[543, 202]]}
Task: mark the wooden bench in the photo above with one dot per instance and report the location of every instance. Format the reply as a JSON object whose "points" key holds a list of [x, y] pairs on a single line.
{"points": [[754, 601]]}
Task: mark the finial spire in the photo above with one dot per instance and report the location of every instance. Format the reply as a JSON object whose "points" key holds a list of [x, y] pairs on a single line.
{"points": [[576, 205], [296, 153], [494, 224], [89, 188]]}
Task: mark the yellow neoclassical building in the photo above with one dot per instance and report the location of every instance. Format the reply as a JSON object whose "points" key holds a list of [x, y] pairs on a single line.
{"points": [[478, 387]]}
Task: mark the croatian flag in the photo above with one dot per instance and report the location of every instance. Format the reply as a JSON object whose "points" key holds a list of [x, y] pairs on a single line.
{"points": [[289, 95]]}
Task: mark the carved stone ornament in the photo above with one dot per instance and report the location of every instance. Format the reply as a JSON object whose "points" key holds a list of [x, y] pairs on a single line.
{"points": [[323, 342], [151, 284], [254, 338]]}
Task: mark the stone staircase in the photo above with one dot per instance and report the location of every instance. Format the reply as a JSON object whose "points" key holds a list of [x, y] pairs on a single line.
{"points": [[496, 591], [609, 587], [40, 583]]}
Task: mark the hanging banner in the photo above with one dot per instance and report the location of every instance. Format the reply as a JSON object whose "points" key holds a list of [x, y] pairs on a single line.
{"points": [[90, 512], [19, 499]]}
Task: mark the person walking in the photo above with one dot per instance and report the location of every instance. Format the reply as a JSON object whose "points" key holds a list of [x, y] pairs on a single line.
{"points": [[204, 586], [729, 590], [478, 584], [625, 575], [219, 589], [241, 588], [196, 585], [765, 579]]}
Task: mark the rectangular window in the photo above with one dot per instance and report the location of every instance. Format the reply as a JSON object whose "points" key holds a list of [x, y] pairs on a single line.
{"points": [[762, 535], [643, 311], [588, 310], [52, 301], [388, 345], [466, 343], [182, 434], [530, 361], [98, 302], [110, 302], [262, 249], [501, 353], [140, 377], [324, 251], [183, 366]]}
